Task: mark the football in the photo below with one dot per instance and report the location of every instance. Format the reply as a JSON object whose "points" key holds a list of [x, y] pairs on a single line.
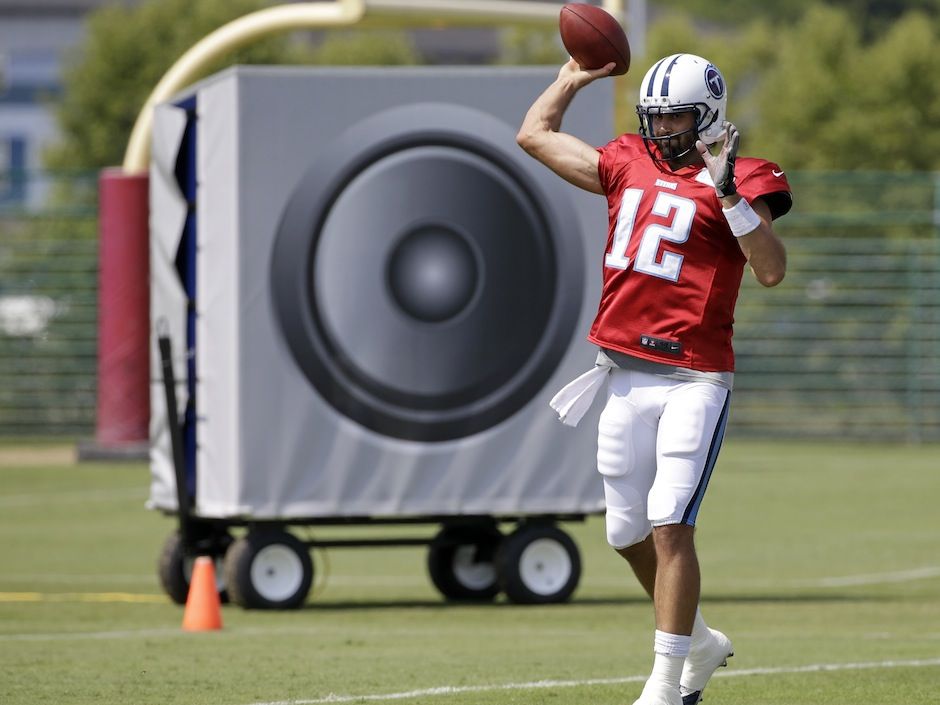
{"points": [[593, 37]]}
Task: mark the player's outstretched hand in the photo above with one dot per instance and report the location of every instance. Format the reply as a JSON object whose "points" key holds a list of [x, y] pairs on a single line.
{"points": [[721, 166], [581, 77]]}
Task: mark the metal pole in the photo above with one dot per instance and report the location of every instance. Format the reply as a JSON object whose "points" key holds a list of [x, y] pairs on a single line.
{"points": [[636, 27], [184, 502]]}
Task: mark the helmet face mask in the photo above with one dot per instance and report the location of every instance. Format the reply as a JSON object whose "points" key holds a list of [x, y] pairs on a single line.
{"points": [[677, 84], [672, 146]]}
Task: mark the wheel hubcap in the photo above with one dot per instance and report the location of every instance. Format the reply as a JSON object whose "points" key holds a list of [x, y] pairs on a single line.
{"points": [[276, 573], [544, 566], [472, 574]]}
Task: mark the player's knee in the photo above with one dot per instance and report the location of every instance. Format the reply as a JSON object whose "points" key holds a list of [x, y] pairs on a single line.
{"points": [[664, 506], [623, 532]]}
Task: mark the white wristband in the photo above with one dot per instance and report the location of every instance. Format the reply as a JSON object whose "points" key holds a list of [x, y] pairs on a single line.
{"points": [[742, 218]]}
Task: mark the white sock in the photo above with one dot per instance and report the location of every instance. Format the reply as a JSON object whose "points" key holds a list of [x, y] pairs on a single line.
{"points": [[671, 650], [700, 633], [671, 644]]}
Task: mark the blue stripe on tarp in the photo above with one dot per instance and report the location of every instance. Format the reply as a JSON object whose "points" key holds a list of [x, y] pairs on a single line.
{"points": [[691, 512], [186, 265]]}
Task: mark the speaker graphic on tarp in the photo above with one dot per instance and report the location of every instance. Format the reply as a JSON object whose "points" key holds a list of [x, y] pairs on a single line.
{"points": [[372, 293]]}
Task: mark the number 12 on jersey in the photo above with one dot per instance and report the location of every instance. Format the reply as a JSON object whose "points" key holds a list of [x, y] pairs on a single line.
{"points": [[677, 231]]}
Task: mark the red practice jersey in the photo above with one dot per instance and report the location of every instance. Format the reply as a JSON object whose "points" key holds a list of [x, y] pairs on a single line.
{"points": [[672, 268]]}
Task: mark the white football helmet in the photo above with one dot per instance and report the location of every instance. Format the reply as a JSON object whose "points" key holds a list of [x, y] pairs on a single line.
{"points": [[683, 83]]}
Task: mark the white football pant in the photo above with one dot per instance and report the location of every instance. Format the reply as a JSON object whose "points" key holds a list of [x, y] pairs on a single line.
{"points": [[658, 440]]}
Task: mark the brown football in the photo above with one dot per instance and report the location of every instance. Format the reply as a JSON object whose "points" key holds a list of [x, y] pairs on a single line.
{"points": [[593, 37]]}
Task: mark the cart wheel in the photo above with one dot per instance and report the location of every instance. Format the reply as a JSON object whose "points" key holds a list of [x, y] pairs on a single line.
{"points": [[268, 569], [538, 564], [461, 562], [175, 569]]}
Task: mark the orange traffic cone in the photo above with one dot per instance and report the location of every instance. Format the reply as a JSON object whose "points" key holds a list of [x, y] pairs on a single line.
{"points": [[203, 608]]}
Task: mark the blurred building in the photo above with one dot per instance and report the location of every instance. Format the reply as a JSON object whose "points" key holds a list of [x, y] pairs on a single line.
{"points": [[34, 38]]}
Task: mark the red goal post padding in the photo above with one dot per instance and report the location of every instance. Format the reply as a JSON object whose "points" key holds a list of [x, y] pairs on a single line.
{"points": [[123, 401]]}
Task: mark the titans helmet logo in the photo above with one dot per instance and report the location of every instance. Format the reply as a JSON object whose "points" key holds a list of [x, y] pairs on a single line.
{"points": [[714, 81]]}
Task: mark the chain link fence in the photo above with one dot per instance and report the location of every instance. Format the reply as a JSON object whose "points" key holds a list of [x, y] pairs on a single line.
{"points": [[847, 347], [48, 304]]}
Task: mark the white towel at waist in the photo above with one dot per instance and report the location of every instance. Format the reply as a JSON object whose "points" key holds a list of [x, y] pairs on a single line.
{"points": [[575, 398]]}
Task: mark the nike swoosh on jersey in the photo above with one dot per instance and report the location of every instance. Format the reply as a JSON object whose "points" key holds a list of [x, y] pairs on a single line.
{"points": [[776, 173]]}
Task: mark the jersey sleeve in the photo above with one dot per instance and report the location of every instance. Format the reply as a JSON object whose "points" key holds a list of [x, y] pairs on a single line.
{"points": [[614, 157], [766, 180], [605, 163]]}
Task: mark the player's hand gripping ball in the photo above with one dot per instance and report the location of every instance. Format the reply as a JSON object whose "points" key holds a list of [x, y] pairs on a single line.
{"points": [[593, 37]]}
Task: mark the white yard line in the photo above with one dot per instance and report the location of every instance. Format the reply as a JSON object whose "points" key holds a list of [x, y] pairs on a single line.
{"points": [[537, 685], [66, 578], [393, 581], [313, 630], [898, 576], [833, 581], [42, 499], [485, 688], [94, 636]]}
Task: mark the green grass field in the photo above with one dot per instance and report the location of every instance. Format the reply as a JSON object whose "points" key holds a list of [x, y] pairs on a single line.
{"points": [[822, 562]]}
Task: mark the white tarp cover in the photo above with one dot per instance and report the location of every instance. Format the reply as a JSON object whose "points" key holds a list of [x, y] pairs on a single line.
{"points": [[267, 444], [167, 296]]}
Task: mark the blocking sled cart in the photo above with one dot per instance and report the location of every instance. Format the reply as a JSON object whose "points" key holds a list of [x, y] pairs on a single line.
{"points": [[268, 567], [363, 295]]}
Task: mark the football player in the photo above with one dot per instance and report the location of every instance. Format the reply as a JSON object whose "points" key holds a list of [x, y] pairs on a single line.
{"points": [[686, 216]]}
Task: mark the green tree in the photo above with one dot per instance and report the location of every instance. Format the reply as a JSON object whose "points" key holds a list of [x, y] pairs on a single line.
{"points": [[817, 94], [831, 101], [739, 11], [128, 50], [521, 46], [811, 92], [873, 17], [366, 48]]}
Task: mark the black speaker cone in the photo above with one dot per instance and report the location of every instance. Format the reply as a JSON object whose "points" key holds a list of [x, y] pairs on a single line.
{"points": [[422, 278], [433, 273]]}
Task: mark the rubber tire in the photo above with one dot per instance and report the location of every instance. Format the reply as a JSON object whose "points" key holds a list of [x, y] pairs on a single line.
{"points": [[268, 553], [538, 564], [456, 548], [175, 568]]}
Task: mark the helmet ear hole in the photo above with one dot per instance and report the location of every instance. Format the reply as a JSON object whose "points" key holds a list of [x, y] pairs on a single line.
{"points": [[706, 118], [710, 129]]}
